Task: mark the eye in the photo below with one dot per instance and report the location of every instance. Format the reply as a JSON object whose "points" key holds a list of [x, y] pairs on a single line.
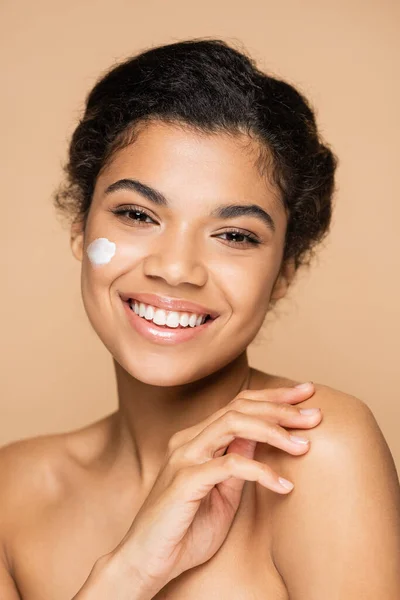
{"points": [[134, 214], [137, 215], [240, 238]]}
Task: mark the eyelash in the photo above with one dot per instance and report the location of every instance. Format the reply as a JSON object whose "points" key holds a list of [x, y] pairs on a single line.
{"points": [[250, 238]]}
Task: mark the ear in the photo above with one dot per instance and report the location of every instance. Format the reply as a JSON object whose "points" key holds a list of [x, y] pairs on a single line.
{"points": [[77, 239], [283, 280]]}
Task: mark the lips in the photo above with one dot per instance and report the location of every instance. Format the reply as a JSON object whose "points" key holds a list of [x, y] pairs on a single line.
{"points": [[164, 335], [165, 326], [169, 303]]}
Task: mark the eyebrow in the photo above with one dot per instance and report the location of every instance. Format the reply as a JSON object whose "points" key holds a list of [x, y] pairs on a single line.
{"points": [[224, 211]]}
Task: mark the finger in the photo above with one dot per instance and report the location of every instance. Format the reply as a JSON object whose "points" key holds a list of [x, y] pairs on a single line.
{"points": [[282, 394], [233, 424], [280, 413], [195, 482], [279, 395]]}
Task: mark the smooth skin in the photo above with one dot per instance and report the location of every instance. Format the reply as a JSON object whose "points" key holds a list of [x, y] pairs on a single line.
{"points": [[77, 494], [187, 515]]}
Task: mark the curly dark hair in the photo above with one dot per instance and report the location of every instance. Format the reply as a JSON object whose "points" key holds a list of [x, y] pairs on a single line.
{"points": [[207, 85]]}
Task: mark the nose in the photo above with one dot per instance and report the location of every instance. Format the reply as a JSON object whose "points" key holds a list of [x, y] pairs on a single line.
{"points": [[176, 259]]}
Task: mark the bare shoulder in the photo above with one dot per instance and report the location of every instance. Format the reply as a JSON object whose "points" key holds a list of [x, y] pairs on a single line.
{"points": [[29, 472], [28, 483], [347, 443], [347, 422], [43, 469], [345, 503], [342, 412], [348, 425], [343, 439]]}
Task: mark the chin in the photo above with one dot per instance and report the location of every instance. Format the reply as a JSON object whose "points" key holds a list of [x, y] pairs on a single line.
{"points": [[169, 371], [159, 371]]}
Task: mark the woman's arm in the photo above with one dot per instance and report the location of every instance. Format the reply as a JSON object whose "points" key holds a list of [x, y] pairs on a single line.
{"points": [[109, 579], [338, 533]]}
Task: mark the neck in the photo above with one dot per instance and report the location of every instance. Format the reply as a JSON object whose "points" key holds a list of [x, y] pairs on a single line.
{"points": [[149, 415]]}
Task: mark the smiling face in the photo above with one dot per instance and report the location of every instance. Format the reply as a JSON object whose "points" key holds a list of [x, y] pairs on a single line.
{"points": [[177, 238]]}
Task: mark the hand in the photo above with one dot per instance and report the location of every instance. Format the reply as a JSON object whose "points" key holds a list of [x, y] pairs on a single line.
{"points": [[189, 510]]}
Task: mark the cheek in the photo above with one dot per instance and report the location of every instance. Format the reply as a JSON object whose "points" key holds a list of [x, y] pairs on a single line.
{"points": [[100, 251], [105, 262], [248, 286], [108, 259]]}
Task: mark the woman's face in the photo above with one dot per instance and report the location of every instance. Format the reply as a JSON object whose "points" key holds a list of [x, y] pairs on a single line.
{"points": [[181, 248]]}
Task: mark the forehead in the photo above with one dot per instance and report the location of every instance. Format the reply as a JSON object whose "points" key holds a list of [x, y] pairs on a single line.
{"points": [[180, 160]]}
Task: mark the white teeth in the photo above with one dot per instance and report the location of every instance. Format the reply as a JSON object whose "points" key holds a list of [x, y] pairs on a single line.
{"points": [[184, 320], [160, 317], [172, 319], [169, 318], [149, 313]]}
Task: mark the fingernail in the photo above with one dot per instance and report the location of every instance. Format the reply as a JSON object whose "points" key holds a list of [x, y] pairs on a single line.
{"points": [[298, 440], [309, 411], [304, 386], [285, 483]]}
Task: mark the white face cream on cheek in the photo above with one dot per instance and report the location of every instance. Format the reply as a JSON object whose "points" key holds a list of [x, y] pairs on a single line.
{"points": [[100, 251]]}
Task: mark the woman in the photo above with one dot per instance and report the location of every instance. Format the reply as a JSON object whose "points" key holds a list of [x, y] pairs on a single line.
{"points": [[197, 187]]}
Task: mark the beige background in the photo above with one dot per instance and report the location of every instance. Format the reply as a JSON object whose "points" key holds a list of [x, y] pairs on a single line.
{"points": [[339, 326]]}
